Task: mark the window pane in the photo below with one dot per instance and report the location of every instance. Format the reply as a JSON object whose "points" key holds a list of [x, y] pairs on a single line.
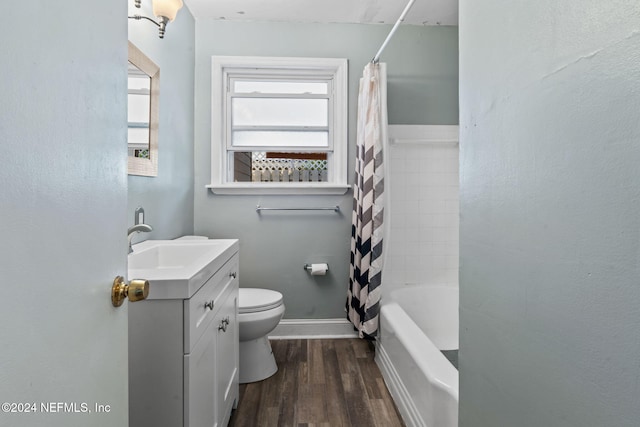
{"points": [[261, 166], [140, 82], [139, 108], [246, 138], [242, 166], [138, 136], [283, 87], [279, 112]]}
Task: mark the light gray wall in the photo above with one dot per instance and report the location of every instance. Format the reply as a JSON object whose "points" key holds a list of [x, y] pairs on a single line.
{"points": [[550, 230], [422, 68], [168, 198]]}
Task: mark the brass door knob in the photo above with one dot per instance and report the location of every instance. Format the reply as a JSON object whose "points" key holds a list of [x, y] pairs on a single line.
{"points": [[136, 290]]}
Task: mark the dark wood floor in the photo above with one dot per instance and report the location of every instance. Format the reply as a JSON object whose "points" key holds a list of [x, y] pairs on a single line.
{"points": [[324, 382]]}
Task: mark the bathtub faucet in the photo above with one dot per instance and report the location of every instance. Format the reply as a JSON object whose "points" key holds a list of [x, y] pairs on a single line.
{"points": [[135, 230]]}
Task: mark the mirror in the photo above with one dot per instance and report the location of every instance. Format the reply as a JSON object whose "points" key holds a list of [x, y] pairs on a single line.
{"points": [[142, 113]]}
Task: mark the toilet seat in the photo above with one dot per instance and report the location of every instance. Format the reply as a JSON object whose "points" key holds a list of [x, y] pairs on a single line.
{"points": [[253, 300]]}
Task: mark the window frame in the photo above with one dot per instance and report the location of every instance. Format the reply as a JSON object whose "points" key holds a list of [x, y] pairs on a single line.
{"points": [[226, 69]]}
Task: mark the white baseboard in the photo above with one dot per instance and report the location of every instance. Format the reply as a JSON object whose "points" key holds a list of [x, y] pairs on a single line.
{"points": [[313, 328]]}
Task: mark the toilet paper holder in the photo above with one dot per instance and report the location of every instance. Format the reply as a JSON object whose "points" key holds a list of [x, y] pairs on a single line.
{"points": [[307, 267]]}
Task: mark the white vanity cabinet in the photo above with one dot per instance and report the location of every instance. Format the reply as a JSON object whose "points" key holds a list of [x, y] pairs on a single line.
{"points": [[183, 355], [227, 361]]}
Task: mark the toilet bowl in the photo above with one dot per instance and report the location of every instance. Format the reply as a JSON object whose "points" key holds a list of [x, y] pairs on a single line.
{"points": [[259, 311]]}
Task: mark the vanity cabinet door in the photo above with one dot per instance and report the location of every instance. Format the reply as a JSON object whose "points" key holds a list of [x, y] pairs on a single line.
{"points": [[227, 357], [201, 308], [200, 381]]}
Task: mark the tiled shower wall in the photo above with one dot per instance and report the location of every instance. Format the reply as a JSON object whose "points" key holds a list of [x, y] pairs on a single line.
{"points": [[422, 240]]}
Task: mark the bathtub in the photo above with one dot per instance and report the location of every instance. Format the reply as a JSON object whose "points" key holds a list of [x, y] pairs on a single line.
{"points": [[416, 322]]}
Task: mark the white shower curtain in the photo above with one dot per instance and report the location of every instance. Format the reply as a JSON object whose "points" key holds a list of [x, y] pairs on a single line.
{"points": [[365, 272]]}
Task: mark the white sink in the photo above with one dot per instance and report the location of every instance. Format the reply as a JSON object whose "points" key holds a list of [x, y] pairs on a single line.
{"points": [[176, 269]]}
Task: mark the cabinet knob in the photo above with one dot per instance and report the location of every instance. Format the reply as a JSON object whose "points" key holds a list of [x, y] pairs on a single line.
{"points": [[136, 290], [223, 326], [234, 274], [209, 305]]}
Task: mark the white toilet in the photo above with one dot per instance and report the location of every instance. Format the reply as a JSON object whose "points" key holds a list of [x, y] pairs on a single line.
{"points": [[259, 311]]}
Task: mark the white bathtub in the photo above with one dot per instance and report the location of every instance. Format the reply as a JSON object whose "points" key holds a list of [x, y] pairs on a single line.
{"points": [[416, 323]]}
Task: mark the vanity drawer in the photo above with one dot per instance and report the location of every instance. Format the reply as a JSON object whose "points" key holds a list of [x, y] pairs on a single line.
{"points": [[202, 307]]}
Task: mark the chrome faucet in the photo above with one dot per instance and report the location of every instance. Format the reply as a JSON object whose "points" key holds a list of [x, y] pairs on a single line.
{"points": [[135, 230]]}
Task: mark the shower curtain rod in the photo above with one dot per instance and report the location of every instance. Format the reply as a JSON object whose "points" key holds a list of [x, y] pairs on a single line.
{"points": [[376, 58]]}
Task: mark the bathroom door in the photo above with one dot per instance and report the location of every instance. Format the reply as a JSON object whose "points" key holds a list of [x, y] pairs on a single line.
{"points": [[63, 202]]}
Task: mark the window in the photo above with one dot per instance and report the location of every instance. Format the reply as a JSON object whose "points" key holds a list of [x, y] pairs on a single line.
{"points": [[138, 112], [279, 125]]}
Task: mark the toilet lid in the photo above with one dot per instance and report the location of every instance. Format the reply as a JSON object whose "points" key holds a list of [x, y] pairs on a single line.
{"points": [[252, 300]]}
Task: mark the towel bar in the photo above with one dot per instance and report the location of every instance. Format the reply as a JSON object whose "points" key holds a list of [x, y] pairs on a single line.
{"points": [[332, 208]]}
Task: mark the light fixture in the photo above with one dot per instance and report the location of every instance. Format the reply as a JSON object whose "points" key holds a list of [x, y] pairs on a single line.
{"points": [[164, 10]]}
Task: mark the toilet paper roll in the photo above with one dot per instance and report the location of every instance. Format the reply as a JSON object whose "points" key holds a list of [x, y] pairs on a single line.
{"points": [[319, 269]]}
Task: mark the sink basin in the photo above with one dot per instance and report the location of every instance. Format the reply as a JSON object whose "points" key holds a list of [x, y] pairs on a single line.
{"points": [[165, 256], [176, 269]]}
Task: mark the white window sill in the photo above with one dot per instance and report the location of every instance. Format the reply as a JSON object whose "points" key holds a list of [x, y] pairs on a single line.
{"points": [[286, 189]]}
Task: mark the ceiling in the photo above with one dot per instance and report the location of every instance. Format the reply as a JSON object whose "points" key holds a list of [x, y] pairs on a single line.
{"points": [[423, 12]]}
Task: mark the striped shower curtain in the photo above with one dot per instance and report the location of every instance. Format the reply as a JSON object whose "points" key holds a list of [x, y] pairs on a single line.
{"points": [[365, 271]]}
